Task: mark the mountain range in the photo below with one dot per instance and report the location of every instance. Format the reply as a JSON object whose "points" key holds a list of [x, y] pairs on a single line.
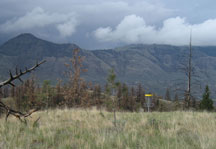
{"points": [[157, 67]]}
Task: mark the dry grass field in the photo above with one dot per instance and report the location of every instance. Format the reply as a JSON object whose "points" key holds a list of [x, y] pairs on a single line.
{"points": [[78, 128]]}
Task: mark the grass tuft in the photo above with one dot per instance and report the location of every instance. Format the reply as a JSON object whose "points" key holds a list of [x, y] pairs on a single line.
{"points": [[77, 128]]}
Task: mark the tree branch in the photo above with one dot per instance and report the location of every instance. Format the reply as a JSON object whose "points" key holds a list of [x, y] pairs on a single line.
{"points": [[19, 74]]}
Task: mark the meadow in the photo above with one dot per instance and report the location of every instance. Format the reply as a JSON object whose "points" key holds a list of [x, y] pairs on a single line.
{"points": [[90, 128]]}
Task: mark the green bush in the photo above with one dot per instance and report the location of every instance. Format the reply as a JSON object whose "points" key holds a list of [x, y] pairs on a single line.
{"points": [[206, 103]]}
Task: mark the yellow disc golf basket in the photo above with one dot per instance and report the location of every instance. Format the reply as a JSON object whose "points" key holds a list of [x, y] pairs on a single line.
{"points": [[148, 103]]}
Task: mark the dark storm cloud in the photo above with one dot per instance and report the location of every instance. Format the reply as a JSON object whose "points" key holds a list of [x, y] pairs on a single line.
{"points": [[109, 22]]}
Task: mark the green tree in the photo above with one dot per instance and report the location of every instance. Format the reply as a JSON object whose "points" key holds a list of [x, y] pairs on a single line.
{"points": [[59, 98], [132, 100], [119, 95], [140, 93], [125, 99], [1, 93], [176, 97], [47, 93], [112, 86], [206, 102], [167, 95]]}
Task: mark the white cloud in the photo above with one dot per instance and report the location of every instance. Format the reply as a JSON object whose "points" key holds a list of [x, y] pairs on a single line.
{"points": [[104, 12], [59, 18], [39, 18], [133, 29], [101, 11], [67, 28], [54, 17]]}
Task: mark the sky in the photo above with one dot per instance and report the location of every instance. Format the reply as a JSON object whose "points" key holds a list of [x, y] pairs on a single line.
{"points": [[102, 24]]}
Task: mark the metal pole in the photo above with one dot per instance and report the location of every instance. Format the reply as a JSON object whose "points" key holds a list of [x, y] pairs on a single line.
{"points": [[148, 102]]}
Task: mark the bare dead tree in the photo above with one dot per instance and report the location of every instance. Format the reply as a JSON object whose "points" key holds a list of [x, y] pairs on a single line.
{"points": [[189, 75], [21, 116], [75, 89], [191, 78]]}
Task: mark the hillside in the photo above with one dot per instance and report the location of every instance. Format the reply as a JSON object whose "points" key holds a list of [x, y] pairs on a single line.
{"points": [[155, 66], [78, 128]]}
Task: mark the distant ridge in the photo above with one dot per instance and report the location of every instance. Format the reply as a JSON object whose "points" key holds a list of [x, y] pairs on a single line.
{"points": [[155, 66], [26, 35], [29, 44]]}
